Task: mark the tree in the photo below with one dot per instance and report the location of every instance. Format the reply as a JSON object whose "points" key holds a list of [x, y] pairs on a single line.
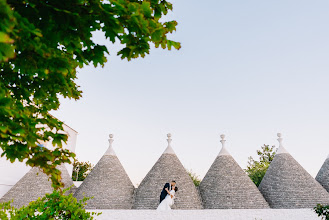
{"points": [[322, 211], [257, 169], [195, 178], [81, 170], [52, 206], [41, 45]]}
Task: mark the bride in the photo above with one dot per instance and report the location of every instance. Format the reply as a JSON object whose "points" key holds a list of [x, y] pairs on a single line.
{"points": [[168, 201]]}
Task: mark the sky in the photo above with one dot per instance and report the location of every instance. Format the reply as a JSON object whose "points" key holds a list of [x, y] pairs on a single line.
{"points": [[246, 69]]}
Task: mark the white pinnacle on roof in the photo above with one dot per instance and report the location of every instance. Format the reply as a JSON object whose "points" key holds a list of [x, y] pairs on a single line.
{"points": [[110, 150], [223, 150], [281, 149], [169, 149]]}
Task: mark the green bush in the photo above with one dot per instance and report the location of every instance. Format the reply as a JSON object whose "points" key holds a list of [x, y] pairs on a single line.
{"points": [[82, 169], [322, 211], [256, 169], [52, 206], [195, 178]]}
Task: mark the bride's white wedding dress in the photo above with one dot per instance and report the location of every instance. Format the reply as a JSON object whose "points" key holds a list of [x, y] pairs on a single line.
{"points": [[167, 202]]}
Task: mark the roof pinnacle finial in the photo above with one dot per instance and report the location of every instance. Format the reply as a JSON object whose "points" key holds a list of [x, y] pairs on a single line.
{"points": [[281, 149], [110, 150], [111, 139], [169, 139], [222, 136], [223, 151], [280, 139], [169, 149]]}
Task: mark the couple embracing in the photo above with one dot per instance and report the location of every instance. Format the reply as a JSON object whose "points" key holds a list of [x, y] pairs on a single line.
{"points": [[167, 196]]}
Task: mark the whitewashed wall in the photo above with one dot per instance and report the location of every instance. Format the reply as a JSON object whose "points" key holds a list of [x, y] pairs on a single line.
{"points": [[77, 183], [10, 173], [225, 214]]}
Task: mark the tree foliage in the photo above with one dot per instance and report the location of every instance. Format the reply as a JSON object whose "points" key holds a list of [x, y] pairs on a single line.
{"points": [[41, 45], [322, 211], [195, 178], [81, 170], [256, 169], [52, 206]]}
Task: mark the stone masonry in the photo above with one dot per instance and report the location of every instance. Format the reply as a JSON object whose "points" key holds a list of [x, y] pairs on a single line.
{"points": [[286, 185], [167, 168], [34, 184], [109, 184], [323, 175], [226, 186]]}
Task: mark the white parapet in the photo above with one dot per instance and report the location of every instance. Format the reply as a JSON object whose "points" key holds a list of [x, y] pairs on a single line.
{"points": [[213, 214]]}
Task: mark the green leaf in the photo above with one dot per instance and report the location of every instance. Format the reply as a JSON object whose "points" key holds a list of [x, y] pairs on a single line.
{"points": [[146, 7], [4, 38]]}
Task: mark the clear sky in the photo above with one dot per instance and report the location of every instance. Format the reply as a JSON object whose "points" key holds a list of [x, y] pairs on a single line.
{"points": [[249, 69]]}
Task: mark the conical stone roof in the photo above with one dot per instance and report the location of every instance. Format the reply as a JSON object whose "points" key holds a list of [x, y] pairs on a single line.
{"points": [[323, 174], [287, 185], [227, 186], [167, 168], [35, 184], [108, 183]]}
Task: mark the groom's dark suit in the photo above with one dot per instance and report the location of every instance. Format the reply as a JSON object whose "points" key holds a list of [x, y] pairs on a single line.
{"points": [[164, 193]]}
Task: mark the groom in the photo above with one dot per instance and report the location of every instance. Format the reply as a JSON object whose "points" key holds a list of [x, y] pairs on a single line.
{"points": [[166, 190]]}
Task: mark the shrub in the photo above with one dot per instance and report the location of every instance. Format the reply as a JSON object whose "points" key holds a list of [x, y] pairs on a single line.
{"points": [[82, 169], [322, 211], [52, 206], [195, 178], [256, 169]]}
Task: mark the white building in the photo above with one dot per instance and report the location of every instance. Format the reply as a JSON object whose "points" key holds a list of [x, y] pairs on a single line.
{"points": [[10, 173]]}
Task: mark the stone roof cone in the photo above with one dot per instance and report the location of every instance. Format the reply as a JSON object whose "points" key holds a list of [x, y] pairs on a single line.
{"points": [[108, 183], [227, 186], [287, 185], [323, 175], [35, 184], [167, 168]]}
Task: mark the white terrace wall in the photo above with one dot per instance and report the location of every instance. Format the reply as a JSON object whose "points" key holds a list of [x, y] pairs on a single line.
{"points": [[210, 214]]}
